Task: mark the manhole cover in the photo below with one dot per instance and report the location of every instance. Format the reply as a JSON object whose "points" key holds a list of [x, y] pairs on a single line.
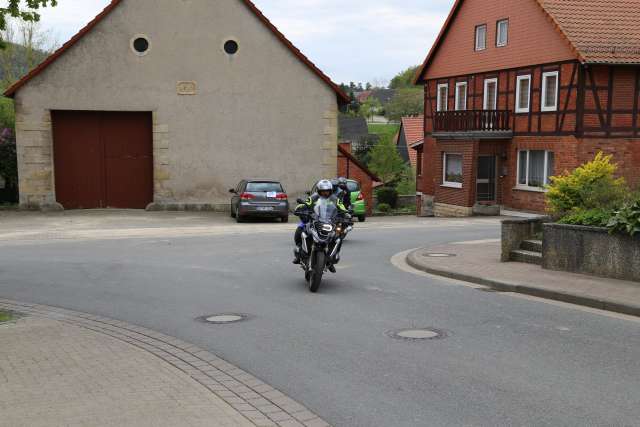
{"points": [[416, 334], [438, 255], [220, 319]]}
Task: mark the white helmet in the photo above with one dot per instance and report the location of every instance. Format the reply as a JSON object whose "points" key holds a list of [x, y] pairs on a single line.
{"points": [[325, 185]]}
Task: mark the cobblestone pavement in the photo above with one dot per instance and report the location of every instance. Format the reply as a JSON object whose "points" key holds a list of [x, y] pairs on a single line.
{"points": [[63, 368]]}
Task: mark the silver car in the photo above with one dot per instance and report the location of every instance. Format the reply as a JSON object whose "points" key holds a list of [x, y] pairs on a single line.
{"points": [[262, 198]]}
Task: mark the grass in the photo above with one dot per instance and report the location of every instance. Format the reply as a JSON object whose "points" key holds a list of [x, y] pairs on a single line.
{"points": [[5, 316], [386, 131]]}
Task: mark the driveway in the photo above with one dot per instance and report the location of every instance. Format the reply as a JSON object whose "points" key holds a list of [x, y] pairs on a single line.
{"points": [[503, 360]]}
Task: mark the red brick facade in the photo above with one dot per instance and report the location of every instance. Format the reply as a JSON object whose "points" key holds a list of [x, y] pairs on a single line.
{"points": [[349, 167], [597, 108]]}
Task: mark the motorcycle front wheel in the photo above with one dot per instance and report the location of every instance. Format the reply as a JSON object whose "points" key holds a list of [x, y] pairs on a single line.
{"points": [[318, 269]]}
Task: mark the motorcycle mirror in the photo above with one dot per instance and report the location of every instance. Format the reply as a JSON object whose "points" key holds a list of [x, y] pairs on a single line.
{"points": [[308, 193], [300, 201]]}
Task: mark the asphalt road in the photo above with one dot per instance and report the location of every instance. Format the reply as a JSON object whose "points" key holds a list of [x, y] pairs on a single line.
{"points": [[507, 361]]}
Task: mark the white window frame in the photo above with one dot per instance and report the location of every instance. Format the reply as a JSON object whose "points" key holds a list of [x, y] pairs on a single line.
{"points": [[506, 38], [466, 95], [518, 109], [526, 186], [477, 39], [446, 86], [485, 99], [446, 183], [543, 95]]}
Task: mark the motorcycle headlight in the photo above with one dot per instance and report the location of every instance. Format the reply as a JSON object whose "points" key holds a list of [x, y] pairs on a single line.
{"points": [[328, 228]]}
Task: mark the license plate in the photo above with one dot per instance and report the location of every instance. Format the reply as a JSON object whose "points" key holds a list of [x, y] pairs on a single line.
{"points": [[265, 208], [272, 194]]}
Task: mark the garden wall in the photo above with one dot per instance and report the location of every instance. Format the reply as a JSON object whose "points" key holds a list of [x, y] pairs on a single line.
{"points": [[590, 250]]}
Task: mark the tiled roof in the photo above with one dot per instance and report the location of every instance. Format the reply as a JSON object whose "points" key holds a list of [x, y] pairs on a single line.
{"points": [[599, 31], [342, 97], [413, 128], [352, 129]]}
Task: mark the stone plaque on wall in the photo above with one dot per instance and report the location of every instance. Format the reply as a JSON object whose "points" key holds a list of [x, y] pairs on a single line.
{"points": [[186, 88]]}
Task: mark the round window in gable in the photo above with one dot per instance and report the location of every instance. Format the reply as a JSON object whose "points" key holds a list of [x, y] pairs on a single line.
{"points": [[231, 47], [140, 45]]}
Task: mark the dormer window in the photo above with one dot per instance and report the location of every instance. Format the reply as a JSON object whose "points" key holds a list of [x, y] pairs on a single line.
{"points": [[502, 32], [481, 37]]}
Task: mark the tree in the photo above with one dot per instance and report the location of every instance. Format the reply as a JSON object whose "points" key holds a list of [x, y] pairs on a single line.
{"points": [[370, 107], [26, 45], [386, 162], [404, 79], [406, 102], [17, 10]]}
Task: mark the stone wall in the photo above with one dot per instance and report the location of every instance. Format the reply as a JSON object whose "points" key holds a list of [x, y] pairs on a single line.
{"points": [[516, 231], [591, 250], [445, 210]]}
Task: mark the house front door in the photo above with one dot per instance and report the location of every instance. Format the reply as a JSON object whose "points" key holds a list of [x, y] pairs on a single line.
{"points": [[486, 181]]}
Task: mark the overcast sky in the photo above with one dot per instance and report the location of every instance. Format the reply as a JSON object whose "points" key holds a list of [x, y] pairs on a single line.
{"points": [[350, 40]]}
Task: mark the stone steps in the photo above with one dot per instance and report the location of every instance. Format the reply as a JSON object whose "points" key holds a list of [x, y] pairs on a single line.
{"points": [[530, 257], [532, 245]]}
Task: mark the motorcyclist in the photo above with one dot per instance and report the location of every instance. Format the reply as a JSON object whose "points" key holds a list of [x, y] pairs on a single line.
{"points": [[324, 190], [343, 193]]}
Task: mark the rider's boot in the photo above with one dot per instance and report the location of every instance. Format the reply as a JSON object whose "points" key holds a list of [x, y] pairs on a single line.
{"points": [[331, 268], [296, 255]]}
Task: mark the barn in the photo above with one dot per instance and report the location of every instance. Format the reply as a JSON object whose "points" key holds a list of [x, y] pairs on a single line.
{"points": [[162, 104]]}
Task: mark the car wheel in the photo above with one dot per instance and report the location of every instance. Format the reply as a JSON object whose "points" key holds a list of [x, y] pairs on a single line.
{"points": [[362, 218], [238, 217], [233, 213]]}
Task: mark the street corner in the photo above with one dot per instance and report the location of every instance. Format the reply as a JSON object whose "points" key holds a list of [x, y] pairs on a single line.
{"points": [[478, 263], [62, 367]]}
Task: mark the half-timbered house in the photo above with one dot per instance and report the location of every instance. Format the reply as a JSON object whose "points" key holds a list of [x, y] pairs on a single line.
{"points": [[517, 91]]}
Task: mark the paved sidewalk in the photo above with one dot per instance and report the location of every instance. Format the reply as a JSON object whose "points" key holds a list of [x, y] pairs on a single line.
{"points": [[20, 227], [63, 368], [479, 262]]}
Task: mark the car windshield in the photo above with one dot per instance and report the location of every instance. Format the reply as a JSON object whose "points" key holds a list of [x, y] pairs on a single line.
{"points": [[326, 210], [353, 186], [264, 187]]}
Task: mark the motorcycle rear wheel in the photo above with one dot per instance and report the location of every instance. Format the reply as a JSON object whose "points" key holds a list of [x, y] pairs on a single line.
{"points": [[316, 273]]}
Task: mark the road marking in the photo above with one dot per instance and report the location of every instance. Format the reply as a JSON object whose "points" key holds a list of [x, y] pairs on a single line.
{"points": [[399, 260]]}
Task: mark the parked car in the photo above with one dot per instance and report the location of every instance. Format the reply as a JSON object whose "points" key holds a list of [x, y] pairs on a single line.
{"points": [[262, 198], [358, 202]]}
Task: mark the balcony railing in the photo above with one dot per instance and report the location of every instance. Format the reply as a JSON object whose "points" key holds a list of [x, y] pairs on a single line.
{"points": [[491, 123]]}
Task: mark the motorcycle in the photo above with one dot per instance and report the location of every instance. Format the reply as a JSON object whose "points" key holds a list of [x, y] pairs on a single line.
{"points": [[324, 231]]}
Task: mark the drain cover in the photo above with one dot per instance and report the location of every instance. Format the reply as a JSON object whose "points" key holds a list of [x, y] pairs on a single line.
{"points": [[437, 255], [221, 319], [417, 334]]}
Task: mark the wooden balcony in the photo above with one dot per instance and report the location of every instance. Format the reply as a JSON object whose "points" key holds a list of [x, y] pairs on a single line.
{"points": [[474, 124]]}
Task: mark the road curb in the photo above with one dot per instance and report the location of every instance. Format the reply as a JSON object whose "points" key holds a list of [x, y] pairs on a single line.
{"points": [[413, 259], [257, 401]]}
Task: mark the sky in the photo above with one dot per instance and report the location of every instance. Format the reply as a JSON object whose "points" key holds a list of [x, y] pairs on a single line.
{"points": [[350, 40]]}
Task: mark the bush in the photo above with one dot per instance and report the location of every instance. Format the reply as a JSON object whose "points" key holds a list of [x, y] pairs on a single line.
{"points": [[407, 184], [388, 195], [627, 219], [591, 217], [590, 186], [384, 207]]}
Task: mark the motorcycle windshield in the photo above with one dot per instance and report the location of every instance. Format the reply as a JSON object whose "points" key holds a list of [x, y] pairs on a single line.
{"points": [[326, 210]]}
